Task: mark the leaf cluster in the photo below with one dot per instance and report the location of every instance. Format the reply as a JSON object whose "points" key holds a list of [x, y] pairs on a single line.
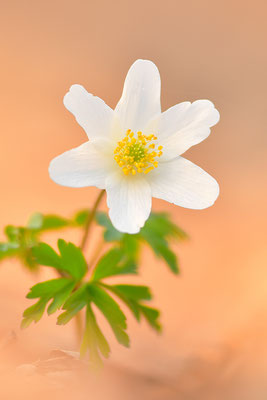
{"points": [[73, 290]]}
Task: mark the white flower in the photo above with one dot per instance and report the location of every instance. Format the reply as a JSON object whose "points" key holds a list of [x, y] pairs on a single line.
{"points": [[134, 151]]}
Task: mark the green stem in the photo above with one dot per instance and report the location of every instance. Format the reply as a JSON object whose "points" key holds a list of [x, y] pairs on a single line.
{"points": [[90, 219]]}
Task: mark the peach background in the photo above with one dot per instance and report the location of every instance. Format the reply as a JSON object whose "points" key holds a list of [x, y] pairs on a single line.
{"points": [[215, 313]]}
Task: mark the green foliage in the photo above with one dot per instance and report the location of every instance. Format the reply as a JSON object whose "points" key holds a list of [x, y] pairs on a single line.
{"points": [[110, 233], [81, 217], [56, 289], [75, 303], [115, 262], [71, 292], [20, 242], [93, 340], [134, 296], [111, 311], [69, 262], [8, 249], [71, 265], [40, 222], [157, 232]]}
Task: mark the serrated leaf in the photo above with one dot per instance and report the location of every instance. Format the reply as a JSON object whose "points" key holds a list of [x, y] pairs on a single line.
{"points": [[170, 258], [111, 311], [161, 248], [151, 315], [93, 339], [33, 313], [162, 226], [131, 295], [114, 262], [110, 233], [48, 288], [56, 289], [134, 292], [72, 259], [131, 304], [45, 255], [73, 305]]}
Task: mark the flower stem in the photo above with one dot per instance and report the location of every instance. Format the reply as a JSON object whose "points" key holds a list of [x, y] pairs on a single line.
{"points": [[90, 219]]}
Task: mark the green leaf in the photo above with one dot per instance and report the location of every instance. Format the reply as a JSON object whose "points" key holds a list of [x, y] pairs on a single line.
{"points": [[73, 305], [114, 262], [8, 249], [36, 221], [134, 292], [45, 255], [169, 256], [110, 233], [19, 244], [151, 315], [70, 260], [94, 340], [56, 289], [14, 233], [130, 246], [40, 222], [131, 295], [81, 217], [111, 311], [162, 226], [33, 313], [51, 222], [160, 246]]}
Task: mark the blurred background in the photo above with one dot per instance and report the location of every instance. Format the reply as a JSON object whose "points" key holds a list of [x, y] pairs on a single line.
{"points": [[215, 312]]}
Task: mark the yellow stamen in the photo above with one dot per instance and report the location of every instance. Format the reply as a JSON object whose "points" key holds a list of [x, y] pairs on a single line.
{"points": [[133, 153]]}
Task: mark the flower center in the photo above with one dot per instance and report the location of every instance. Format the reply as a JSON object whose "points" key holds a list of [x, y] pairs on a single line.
{"points": [[137, 153]]}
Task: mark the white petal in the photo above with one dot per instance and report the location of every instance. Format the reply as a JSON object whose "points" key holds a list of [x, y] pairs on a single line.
{"points": [[140, 101], [92, 113], [79, 167], [129, 201], [183, 183], [185, 125]]}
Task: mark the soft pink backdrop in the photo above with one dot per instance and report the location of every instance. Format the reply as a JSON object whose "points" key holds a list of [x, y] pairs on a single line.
{"points": [[215, 313]]}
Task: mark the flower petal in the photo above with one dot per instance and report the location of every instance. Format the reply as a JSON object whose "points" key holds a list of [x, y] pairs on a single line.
{"points": [[92, 113], [79, 167], [183, 183], [129, 201], [185, 125], [140, 100]]}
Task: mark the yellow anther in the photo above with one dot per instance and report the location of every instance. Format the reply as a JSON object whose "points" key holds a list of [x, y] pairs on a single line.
{"points": [[133, 153], [148, 170]]}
